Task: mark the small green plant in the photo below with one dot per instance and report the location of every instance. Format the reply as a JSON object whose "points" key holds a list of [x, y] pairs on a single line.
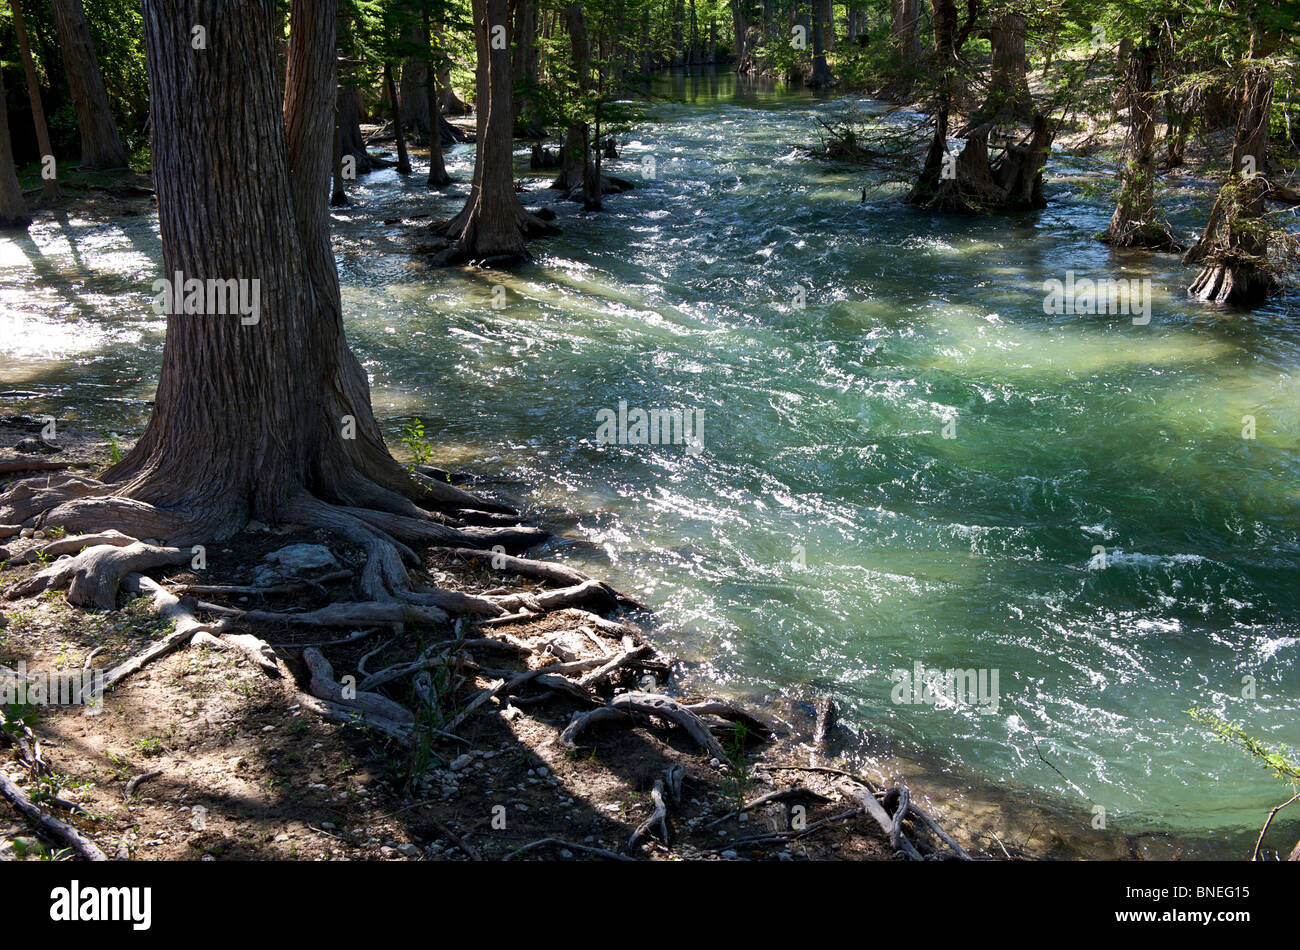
{"points": [[413, 438], [114, 450], [1281, 765], [737, 783]]}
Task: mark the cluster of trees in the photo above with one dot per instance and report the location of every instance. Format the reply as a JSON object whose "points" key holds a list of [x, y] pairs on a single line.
{"points": [[254, 105], [1002, 77]]}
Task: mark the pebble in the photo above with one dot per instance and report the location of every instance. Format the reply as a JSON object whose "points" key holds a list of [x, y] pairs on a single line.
{"points": [[461, 762]]}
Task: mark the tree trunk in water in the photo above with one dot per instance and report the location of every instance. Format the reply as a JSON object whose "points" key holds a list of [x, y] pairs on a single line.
{"points": [[49, 186], [100, 146], [250, 419], [821, 72], [740, 27], [438, 177], [1232, 250], [415, 85], [1135, 222], [339, 195], [403, 160], [350, 140], [970, 183], [493, 226], [13, 210]]}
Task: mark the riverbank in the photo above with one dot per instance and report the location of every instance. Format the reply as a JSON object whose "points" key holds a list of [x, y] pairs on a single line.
{"points": [[211, 753]]}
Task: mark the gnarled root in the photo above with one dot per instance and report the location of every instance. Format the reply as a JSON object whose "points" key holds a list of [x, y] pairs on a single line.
{"points": [[622, 708], [92, 577]]}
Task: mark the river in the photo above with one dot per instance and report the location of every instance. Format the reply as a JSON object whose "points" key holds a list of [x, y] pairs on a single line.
{"points": [[904, 459]]}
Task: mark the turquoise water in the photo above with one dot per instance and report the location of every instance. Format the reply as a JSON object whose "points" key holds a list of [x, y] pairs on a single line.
{"points": [[828, 533]]}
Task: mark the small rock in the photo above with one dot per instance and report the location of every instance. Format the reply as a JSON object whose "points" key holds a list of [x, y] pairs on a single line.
{"points": [[730, 855], [461, 762], [298, 559]]}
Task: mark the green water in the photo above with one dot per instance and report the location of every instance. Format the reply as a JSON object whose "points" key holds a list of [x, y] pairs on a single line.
{"points": [[828, 533]]}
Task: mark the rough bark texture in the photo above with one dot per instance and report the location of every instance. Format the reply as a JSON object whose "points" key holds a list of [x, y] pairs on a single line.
{"points": [[416, 114], [100, 145], [526, 65], [349, 122], [272, 419], [49, 186], [403, 160], [493, 226], [1008, 87], [821, 72], [13, 210], [1135, 222], [1232, 250]]}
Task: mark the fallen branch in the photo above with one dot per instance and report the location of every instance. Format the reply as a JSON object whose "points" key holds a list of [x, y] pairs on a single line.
{"points": [[134, 782], [52, 826]]}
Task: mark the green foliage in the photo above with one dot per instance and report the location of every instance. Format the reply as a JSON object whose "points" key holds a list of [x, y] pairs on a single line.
{"points": [[1273, 758]]}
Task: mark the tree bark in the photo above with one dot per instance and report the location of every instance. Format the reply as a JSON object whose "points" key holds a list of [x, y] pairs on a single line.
{"points": [[416, 111], [438, 177], [13, 210], [1232, 249], [403, 160], [1008, 86], [1135, 222], [49, 186], [493, 226], [350, 140], [821, 73], [100, 145]]}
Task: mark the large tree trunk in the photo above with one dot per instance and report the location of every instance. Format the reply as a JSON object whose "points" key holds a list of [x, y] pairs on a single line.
{"points": [[438, 177], [13, 210], [415, 110], [100, 145], [267, 418], [905, 31], [349, 122], [403, 160], [1232, 250], [1135, 222], [821, 72], [1008, 93], [493, 226], [526, 65], [49, 185]]}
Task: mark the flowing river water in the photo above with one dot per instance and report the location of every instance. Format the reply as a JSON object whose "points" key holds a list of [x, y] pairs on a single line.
{"points": [[916, 466]]}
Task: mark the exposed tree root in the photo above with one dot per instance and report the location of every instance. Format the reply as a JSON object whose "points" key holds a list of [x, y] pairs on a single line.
{"points": [[59, 830], [169, 606], [622, 708], [92, 578], [19, 463], [658, 818], [796, 794]]}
